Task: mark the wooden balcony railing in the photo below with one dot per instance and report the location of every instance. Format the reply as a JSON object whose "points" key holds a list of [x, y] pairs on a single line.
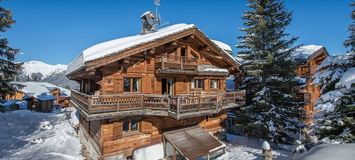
{"points": [[149, 104], [176, 62]]}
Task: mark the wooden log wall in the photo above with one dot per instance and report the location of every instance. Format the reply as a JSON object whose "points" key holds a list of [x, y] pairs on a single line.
{"points": [[114, 140]]}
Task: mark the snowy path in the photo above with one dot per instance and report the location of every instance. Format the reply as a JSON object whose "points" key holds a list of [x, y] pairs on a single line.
{"points": [[242, 148], [32, 135]]}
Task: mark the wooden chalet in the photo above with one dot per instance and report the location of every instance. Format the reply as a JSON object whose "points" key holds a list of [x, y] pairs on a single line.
{"points": [[135, 89], [308, 62], [61, 98]]}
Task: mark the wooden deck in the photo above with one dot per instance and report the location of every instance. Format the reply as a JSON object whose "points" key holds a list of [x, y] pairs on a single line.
{"points": [[178, 107]]}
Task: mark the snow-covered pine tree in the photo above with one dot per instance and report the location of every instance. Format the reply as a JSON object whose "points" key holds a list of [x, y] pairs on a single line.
{"points": [[335, 119], [336, 75], [8, 69], [350, 42], [273, 108]]}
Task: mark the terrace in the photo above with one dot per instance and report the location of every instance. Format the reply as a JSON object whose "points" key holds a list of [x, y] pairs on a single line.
{"points": [[179, 107]]}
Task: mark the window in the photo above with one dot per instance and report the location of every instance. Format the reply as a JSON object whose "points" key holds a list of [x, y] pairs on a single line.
{"points": [[131, 84], [183, 52], [125, 126], [198, 83], [134, 125], [214, 83], [130, 125], [307, 98]]}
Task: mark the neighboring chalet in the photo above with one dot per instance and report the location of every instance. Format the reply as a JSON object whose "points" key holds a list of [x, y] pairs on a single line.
{"points": [[156, 87], [308, 58], [40, 96]]}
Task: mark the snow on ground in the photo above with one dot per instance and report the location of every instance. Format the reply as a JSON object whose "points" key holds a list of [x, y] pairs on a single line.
{"points": [[152, 152], [242, 148], [43, 68], [33, 135], [330, 152]]}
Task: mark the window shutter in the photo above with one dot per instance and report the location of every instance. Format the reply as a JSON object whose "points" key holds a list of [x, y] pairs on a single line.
{"points": [[116, 130]]}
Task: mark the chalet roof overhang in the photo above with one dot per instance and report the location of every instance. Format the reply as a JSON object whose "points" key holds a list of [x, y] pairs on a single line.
{"points": [[322, 52], [193, 142], [191, 32]]}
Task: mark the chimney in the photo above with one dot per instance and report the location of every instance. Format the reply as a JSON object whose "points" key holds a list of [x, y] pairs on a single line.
{"points": [[148, 22]]}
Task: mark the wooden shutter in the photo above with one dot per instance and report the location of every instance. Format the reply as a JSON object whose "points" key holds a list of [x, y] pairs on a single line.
{"points": [[116, 130]]}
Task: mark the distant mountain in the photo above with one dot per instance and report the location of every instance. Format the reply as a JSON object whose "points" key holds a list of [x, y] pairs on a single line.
{"points": [[42, 72]]}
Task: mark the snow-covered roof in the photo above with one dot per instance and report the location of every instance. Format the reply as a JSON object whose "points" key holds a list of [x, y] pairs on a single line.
{"points": [[306, 51], [39, 90], [211, 68], [121, 44], [225, 47], [118, 45]]}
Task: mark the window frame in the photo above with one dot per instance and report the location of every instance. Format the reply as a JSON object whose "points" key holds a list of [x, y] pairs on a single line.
{"points": [[196, 85], [131, 84], [217, 83], [129, 125]]}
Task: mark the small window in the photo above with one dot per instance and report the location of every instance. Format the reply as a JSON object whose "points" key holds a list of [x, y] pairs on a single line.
{"points": [[134, 125], [198, 83], [131, 84], [183, 52], [127, 85], [214, 83], [130, 125], [125, 126], [307, 98]]}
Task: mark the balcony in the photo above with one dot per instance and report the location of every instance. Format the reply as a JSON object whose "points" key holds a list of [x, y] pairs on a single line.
{"points": [[178, 107], [175, 63]]}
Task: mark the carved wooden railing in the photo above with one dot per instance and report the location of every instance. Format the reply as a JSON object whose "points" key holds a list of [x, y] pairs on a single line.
{"points": [[176, 62], [182, 104]]}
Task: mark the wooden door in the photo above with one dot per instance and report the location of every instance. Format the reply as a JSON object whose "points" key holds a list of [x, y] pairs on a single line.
{"points": [[167, 86]]}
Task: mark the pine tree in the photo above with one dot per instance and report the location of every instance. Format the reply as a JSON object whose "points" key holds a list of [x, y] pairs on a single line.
{"points": [[335, 119], [8, 68], [350, 42], [273, 108], [336, 116]]}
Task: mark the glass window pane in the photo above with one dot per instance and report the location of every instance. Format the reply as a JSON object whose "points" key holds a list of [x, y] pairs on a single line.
{"points": [[126, 85], [214, 83], [192, 83], [135, 84], [125, 126], [134, 125], [201, 83]]}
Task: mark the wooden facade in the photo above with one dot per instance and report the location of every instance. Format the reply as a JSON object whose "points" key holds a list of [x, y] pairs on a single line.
{"points": [[129, 99], [311, 92]]}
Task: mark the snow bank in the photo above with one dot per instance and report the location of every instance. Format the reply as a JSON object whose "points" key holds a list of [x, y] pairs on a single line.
{"points": [[22, 136], [243, 148], [154, 152], [331, 152], [347, 79]]}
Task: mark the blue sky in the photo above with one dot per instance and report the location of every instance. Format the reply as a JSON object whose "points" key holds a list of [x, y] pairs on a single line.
{"points": [[56, 31]]}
